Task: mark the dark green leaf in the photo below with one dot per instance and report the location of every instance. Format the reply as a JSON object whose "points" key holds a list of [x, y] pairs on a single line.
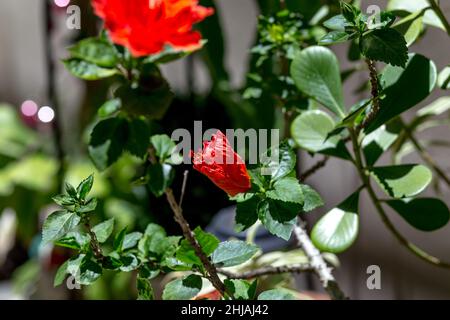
{"points": [[88, 71], [207, 242], [58, 224], [402, 181], [85, 187], [387, 45], [183, 289], [241, 289], [152, 103], [109, 108], [278, 162], [275, 220], [246, 213], [138, 137], [60, 274], [96, 51], [287, 189], [349, 11], [89, 206], [118, 240], [312, 199], [160, 178], [379, 141], [425, 214], [233, 253], [335, 37], [108, 140], [144, 288], [337, 230], [163, 145], [129, 262], [71, 191], [404, 88], [64, 200]]}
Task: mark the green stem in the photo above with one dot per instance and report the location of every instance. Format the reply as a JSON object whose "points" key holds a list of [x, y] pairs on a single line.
{"points": [[440, 14], [403, 241]]}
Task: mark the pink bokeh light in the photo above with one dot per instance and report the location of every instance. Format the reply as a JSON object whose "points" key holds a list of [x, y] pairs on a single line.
{"points": [[29, 108], [62, 3]]}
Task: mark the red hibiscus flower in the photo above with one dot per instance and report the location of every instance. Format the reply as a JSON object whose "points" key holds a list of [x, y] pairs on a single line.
{"points": [[222, 165], [146, 26]]}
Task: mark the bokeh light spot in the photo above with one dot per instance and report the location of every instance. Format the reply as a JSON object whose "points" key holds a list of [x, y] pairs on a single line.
{"points": [[62, 3], [29, 108], [46, 114]]}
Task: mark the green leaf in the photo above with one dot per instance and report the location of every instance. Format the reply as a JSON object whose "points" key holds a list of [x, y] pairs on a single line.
{"points": [[277, 294], [152, 103], [387, 45], [119, 239], [336, 231], [379, 141], [312, 199], [88, 71], [241, 289], [64, 200], [335, 37], [109, 108], [108, 140], [246, 213], [129, 262], [138, 137], [71, 191], [402, 181], [183, 289], [410, 27], [60, 275], [85, 187], [315, 71], [84, 269], [163, 145], [279, 161], [168, 54], [337, 23], [144, 288], [426, 214], [76, 240], [276, 221], [233, 253], [131, 240], [89, 206], [207, 242], [154, 241], [160, 178], [103, 230], [444, 78], [349, 11], [404, 88], [96, 51], [311, 131], [58, 224], [287, 189], [430, 16]]}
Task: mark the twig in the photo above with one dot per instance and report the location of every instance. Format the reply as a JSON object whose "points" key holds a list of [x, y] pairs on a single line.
{"points": [[319, 165], [95, 245], [375, 92], [405, 242], [211, 271], [183, 187], [318, 263], [425, 155], [51, 93], [266, 271], [440, 14]]}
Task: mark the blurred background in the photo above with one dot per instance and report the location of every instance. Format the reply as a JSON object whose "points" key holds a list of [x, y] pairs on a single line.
{"points": [[46, 119]]}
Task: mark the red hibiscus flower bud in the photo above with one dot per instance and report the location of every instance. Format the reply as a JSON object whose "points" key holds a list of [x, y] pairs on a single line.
{"points": [[222, 165], [146, 26]]}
